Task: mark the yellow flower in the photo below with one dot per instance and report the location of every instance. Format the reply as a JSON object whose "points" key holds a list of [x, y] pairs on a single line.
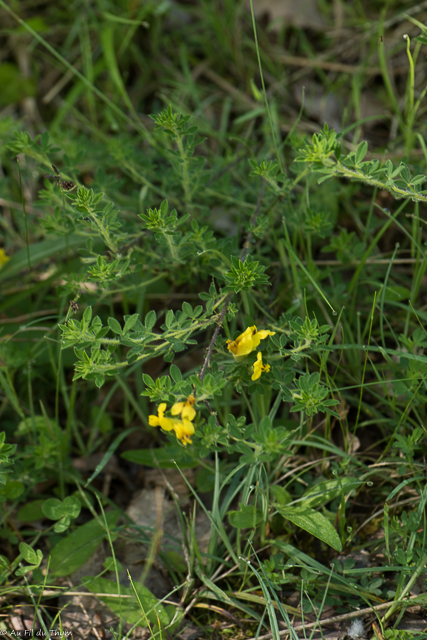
{"points": [[183, 428], [3, 258], [185, 409], [160, 421], [259, 367], [247, 341]]}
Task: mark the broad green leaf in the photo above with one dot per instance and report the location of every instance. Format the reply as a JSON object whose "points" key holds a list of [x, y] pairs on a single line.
{"points": [[74, 550], [31, 511], [13, 489], [127, 606], [246, 518], [313, 522], [280, 494]]}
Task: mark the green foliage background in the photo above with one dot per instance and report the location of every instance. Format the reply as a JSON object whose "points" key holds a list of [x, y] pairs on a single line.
{"points": [[159, 197]]}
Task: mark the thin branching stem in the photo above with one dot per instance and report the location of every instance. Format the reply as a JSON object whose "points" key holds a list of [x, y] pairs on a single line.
{"points": [[227, 300]]}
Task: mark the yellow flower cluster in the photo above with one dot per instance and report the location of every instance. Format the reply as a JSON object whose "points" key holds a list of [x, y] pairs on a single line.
{"points": [[246, 343], [183, 426]]}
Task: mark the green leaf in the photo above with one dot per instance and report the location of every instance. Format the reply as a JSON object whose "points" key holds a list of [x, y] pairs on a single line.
{"points": [[147, 610], [175, 372], [74, 550], [404, 172], [52, 509], [87, 315], [13, 489], [280, 494], [99, 380], [169, 318], [72, 506], [110, 564], [115, 326], [130, 322], [55, 509], [361, 152], [150, 320], [247, 517], [187, 309], [62, 525], [31, 511], [314, 523], [388, 168], [24, 570], [28, 553], [148, 380]]}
